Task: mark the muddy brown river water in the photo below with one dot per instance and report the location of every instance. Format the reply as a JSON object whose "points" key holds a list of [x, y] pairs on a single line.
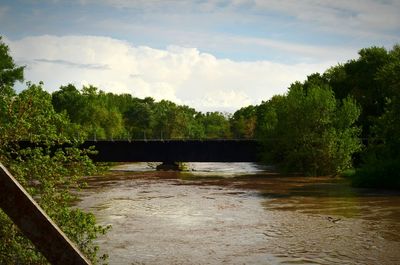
{"points": [[241, 213]]}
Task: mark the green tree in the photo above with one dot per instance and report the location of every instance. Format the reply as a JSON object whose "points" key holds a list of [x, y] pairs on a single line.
{"points": [[243, 122], [9, 74], [186, 123], [47, 175], [216, 125], [9, 71], [308, 131], [93, 113], [381, 167], [139, 120], [46, 172], [164, 118], [69, 99], [357, 78], [381, 162]]}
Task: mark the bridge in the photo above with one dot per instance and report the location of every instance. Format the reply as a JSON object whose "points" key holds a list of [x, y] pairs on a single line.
{"points": [[175, 150]]}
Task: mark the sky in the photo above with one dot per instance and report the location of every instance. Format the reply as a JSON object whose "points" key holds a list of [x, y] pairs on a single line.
{"points": [[213, 55]]}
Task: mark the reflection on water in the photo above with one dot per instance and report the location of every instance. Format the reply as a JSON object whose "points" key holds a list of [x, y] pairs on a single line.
{"points": [[241, 213]]}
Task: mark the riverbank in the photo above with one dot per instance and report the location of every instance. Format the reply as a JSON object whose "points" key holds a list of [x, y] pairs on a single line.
{"points": [[380, 178]]}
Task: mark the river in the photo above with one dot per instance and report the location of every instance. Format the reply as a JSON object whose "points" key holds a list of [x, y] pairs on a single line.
{"points": [[240, 213]]}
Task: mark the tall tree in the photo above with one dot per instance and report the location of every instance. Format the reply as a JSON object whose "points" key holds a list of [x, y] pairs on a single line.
{"points": [[216, 125], [243, 122], [357, 78], [309, 131], [9, 74], [381, 167], [9, 71]]}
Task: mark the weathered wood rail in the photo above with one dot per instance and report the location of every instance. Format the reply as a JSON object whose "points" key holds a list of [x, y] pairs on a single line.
{"points": [[35, 223]]}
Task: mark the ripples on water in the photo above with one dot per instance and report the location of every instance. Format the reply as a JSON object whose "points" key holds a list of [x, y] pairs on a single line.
{"points": [[240, 213]]}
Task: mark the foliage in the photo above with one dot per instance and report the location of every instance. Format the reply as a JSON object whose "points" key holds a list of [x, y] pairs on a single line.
{"points": [[9, 71], [308, 131], [371, 82], [357, 78], [47, 174], [216, 125], [243, 122], [89, 111], [381, 167], [97, 115], [139, 120]]}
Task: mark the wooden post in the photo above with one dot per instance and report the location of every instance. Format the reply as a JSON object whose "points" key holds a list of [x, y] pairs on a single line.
{"points": [[35, 224]]}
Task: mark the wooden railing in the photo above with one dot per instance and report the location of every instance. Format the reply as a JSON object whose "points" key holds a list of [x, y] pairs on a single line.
{"points": [[35, 223]]}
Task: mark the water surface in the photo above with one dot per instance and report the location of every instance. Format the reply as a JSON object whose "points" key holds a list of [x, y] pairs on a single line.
{"points": [[241, 213]]}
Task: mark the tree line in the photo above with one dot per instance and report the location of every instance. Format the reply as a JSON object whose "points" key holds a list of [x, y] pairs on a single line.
{"points": [[95, 114]]}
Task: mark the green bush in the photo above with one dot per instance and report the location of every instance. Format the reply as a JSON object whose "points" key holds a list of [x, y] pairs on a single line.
{"points": [[378, 174]]}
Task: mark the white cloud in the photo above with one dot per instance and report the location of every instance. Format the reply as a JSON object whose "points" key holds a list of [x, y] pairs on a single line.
{"points": [[183, 75]]}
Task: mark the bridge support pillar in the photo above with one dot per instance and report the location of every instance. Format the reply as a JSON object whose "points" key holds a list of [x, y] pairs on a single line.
{"points": [[173, 166]]}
